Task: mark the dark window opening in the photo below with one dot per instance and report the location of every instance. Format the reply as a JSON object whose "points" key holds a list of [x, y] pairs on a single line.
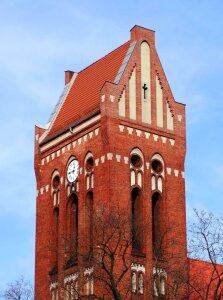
{"points": [[157, 166], [156, 232], [89, 222], [136, 161], [73, 226], [136, 221], [55, 241], [56, 182], [89, 164]]}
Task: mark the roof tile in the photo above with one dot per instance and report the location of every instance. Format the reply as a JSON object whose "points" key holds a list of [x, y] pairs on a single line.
{"points": [[84, 95]]}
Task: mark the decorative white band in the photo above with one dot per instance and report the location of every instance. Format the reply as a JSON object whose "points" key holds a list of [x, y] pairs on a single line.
{"points": [[53, 285], [88, 271], [71, 277], [138, 268]]}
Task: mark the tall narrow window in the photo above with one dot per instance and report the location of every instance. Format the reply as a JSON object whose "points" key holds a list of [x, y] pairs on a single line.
{"points": [[89, 222], [156, 203], [162, 286], [159, 279], [136, 220], [89, 171], [54, 294], [89, 286], [141, 283], [157, 187], [73, 234], [56, 234], [55, 188]]}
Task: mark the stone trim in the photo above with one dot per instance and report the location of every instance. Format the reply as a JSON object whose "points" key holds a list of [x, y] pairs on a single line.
{"points": [[69, 146], [70, 132], [145, 134], [119, 159], [71, 278], [88, 271], [53, 285], [159, 272], [138, 268]]}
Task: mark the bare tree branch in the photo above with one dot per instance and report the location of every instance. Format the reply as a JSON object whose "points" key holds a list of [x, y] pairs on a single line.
{"points": [[19, 290]]}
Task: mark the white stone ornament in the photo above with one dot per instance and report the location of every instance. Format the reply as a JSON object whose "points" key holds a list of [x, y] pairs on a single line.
{"points": [[72, 171]]}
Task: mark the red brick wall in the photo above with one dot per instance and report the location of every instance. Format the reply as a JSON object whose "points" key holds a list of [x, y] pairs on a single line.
{"points": [[112, 177]]}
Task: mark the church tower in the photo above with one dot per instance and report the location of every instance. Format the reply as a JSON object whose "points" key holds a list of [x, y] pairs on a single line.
{"points": [[114, 146]]}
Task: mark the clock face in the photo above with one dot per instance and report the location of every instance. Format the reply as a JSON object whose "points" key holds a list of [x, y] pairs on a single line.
{"points": [[72, 170]]}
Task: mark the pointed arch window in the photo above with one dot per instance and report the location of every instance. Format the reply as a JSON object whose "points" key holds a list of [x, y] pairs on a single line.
{"points": [[89, 171], [136, 167], [55, 188], [159, 282]]}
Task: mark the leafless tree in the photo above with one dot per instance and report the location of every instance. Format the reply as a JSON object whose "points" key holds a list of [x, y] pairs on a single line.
{"points": [[112, 251], [169, 275], [20, 289], [206, 243], [109, 256]]}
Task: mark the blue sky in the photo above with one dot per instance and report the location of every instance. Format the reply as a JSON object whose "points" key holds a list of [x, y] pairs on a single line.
{"points": [[41, 39]]}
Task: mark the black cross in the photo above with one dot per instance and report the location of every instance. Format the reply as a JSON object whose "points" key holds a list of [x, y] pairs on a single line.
{"points": [[145, 88]]}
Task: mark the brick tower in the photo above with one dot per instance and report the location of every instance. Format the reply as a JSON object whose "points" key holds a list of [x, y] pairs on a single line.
{"points": [[113, 150]]}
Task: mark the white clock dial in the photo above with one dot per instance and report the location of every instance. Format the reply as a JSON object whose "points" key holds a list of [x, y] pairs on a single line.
{"points": [[72, 170]]}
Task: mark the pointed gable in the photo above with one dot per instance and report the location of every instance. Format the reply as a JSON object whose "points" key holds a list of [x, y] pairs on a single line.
{"points": [[84, 95]]}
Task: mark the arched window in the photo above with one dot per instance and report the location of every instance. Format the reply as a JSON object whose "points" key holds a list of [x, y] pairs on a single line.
{"points": [[157, 170], [156, 211], [136, 167], [55, 188], [89, 222], [89, 171], [134, 282], [159, 280], [136, 219]]}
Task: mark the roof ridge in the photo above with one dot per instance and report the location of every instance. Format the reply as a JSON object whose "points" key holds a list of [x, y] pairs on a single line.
{"points": [[103, 57]]}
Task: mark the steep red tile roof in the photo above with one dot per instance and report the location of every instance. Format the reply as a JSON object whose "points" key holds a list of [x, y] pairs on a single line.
{"points": [[84, 95]]}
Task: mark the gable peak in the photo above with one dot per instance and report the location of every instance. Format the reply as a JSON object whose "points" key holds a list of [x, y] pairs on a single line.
{"points": [[141, 34]]}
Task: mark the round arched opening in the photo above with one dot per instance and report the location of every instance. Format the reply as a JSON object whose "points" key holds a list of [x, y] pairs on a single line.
{"points": [[136, 161], [157, 166], [89, 164], [56, 182]]}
